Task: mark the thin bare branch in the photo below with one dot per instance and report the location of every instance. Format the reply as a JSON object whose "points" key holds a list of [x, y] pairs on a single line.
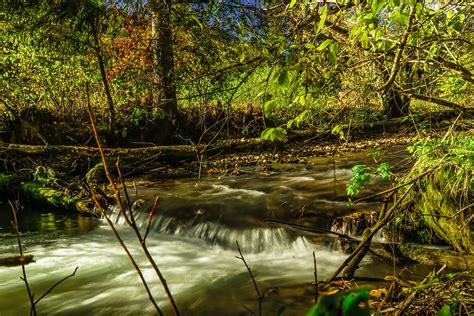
{"points": [[316, 285], [150, 217], [24, 278], [56, 284], [401, 49], [259, 296]]}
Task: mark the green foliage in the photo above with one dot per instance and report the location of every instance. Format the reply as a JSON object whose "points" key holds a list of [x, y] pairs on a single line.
{"points": [[445, 311], [363, 175], [377, 154], [297, 120], [274, 134], [337, 130], [441, 202], [351, 302]]}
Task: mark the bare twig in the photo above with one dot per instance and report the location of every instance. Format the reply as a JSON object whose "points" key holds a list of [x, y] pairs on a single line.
{"points": [[248, 309], [24, 278], [316, 285], [129, 255], [104, 214], [310, 229], [150, 217], [397, 187], [56, 284], [410, 298], [259, 296], [127, 197]]}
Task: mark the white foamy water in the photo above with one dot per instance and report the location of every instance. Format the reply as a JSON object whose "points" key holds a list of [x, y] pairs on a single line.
{"points": [[204, 278]]}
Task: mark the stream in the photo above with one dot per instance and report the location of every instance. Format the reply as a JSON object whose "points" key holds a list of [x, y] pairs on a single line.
{"points": [[193, 239]]}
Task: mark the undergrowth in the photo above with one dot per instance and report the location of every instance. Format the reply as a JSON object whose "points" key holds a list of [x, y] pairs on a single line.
{"points": [[440, 204]]}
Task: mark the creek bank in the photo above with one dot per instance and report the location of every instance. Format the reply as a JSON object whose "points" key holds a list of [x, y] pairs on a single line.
{"points": [[65, 173]]}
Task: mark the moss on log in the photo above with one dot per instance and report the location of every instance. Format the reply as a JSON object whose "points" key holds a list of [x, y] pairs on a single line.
{"points": [[35, 191], [50, 197]]}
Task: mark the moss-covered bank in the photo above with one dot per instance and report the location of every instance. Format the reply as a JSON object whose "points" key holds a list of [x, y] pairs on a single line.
{"points": [[439, 207]]}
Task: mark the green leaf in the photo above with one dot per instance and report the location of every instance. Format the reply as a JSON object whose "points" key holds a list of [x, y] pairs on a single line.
{"points": [[292, 4], [297, 120], [283, 79], [273, 134], [309, 45], [356, 304], [325, 44], [268, 107], [322, 19], [377, 5], [336, 130], [333, 49], [445, 311]]}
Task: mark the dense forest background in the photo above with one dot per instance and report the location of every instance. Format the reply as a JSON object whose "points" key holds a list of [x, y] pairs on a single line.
{"points": [[172, 71]]}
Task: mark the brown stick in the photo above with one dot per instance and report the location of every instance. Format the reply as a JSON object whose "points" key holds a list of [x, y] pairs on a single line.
{"points": [[122, 209], [104, 214], [310, 229], [150, 217], [259, 296], [56, 284], [316, 289], [403, 305], [397, 187], [144, 248], [31, 296], [127, 252]]}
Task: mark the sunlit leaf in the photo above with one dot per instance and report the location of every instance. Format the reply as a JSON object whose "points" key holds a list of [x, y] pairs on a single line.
{"points": [[445, 311], [322, 19], [325, 44], [268, 107], [377, 5]]}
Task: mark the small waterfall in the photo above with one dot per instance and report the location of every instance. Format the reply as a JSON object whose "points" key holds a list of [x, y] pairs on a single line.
{"points": [[254, 239]]}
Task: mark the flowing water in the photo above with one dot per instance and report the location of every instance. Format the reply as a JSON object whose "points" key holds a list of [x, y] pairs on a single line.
{"points": [[192, 238]]}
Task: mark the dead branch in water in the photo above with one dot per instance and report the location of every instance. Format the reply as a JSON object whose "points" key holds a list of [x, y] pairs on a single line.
{"points": [[259, 296]]}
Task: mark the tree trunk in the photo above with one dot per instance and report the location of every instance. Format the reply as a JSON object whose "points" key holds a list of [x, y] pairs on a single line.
{"points": [[110, 101], [164, 91], [395, 104]]}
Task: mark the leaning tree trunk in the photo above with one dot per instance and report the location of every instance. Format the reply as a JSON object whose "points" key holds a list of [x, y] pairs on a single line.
{"points": [[164, 91]]}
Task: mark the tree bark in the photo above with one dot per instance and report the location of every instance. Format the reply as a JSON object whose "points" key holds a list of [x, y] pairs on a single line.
{"points": [[395, 104], [108, 94], [164, 91]]}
